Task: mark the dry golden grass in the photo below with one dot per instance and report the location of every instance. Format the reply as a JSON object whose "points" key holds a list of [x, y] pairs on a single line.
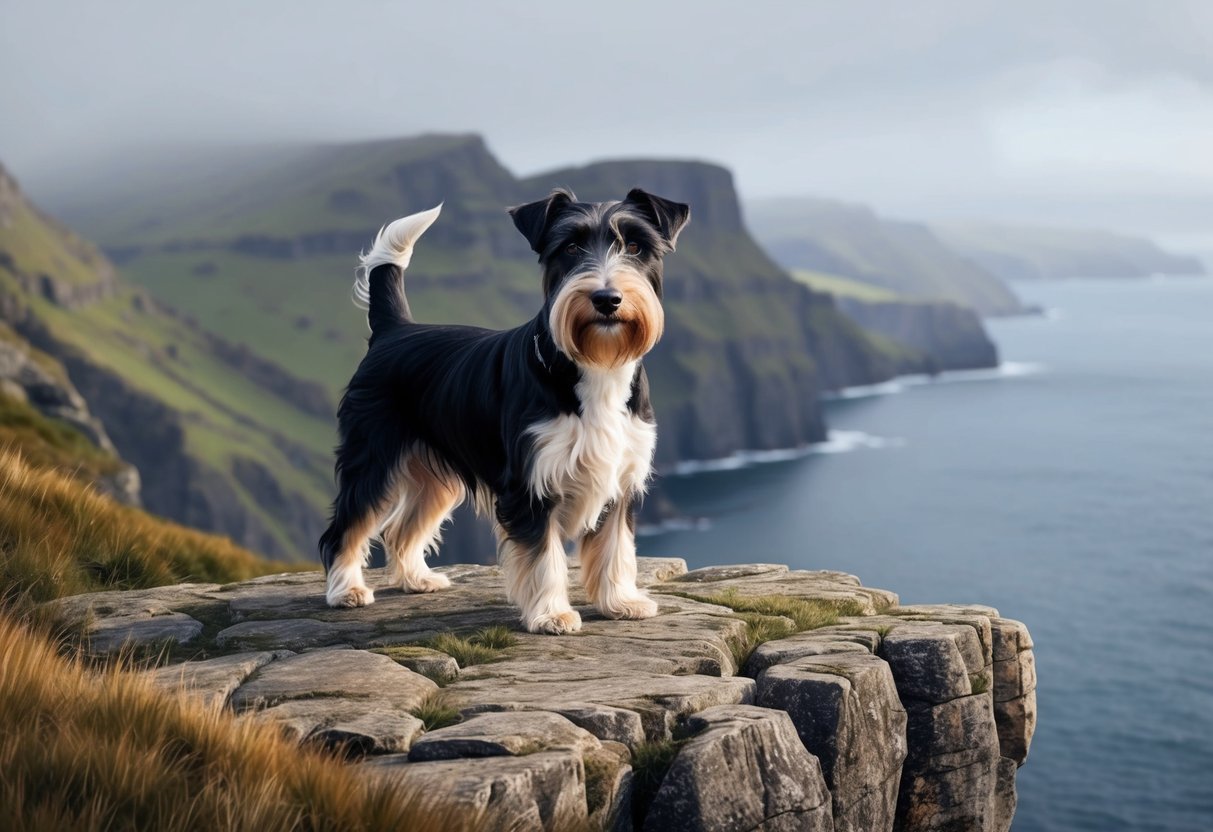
{"points": [[60, 537], [83, 750]]}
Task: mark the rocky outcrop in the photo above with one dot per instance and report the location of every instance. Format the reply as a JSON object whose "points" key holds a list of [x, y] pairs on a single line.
{"points": [[35, 378], [873, 717], [951, 335]]}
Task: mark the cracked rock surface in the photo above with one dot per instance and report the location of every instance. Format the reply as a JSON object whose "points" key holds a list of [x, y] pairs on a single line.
{"points": [[865, 716]]}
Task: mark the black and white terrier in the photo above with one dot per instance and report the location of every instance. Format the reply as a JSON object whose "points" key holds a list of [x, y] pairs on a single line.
{"points": [[547, 428]]}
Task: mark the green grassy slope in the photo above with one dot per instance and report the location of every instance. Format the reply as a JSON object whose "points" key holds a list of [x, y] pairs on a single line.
{"points": [[842, 287], [851, 241], [1033, 253], [124, 349]]}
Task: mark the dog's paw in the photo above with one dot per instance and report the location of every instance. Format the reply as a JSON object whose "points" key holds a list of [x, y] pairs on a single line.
{"points": [[639, 606], [554, 623], [426, 582], [355, 596]]}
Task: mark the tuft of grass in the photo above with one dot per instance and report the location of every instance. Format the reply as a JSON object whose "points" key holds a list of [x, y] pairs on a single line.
{"points": [[436, 712], [106, 750], [497, 637], [60, 537], [651, 761], [599, 770], [883, 630], [769, 617], [759, 629], [481, 647], [979, 682]]}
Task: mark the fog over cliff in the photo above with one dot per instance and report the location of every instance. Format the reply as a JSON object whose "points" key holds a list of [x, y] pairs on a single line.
{"points": [[1082, 113]]}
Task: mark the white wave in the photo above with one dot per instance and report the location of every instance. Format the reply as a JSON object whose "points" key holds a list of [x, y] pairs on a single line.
{"points": [[837, 442], [845, 441], [1007, 369], [863, 391]]}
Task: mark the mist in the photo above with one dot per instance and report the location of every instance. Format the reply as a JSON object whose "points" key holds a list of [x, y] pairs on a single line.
{"points": [[1084, 113]]}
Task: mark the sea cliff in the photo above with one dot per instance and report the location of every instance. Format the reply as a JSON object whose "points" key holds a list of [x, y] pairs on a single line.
{"points": [[759, 697]]}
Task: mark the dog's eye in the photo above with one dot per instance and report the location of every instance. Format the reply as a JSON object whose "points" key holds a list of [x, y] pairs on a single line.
{"points": [[633, 248], [571, 248]]}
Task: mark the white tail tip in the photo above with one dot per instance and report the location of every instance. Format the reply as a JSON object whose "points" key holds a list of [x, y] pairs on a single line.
{"points": [[393, 244]]}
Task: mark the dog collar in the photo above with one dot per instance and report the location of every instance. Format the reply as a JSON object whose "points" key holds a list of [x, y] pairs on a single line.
{"points": [[539, 354]]}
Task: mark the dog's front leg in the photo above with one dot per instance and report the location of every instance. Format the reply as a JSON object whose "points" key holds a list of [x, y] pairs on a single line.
{"points": [[608, 565], [536, 578]]}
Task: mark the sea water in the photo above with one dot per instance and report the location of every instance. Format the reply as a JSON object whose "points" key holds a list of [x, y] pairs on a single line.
{"points": [[1072, 489]]}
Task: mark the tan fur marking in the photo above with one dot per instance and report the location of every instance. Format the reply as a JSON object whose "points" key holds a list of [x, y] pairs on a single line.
{"points": [[425, 498]]}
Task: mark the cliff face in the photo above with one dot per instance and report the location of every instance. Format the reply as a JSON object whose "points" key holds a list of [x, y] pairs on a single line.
{"points": [[757, 698], [951, 335], [1028, 253], [31, 378]]}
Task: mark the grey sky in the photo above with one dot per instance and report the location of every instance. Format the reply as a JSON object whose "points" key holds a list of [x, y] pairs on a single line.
{"points": [[1092, 111]]}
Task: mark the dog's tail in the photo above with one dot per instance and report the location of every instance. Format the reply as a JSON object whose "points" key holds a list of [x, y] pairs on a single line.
{"points": [[379, 281]]}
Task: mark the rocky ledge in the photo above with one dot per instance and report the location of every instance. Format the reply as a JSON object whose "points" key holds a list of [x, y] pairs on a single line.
{"points": [[759, 697]]}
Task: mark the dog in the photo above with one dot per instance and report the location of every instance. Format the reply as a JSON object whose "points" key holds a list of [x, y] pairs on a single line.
{"points": [[547, 428]]}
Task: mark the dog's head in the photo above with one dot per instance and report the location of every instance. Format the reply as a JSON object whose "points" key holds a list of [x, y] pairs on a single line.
{"points": [[602, 271]]}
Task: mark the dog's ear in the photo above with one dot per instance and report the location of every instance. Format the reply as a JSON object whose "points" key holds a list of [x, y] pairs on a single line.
{"points": [[535, 219], [667, 217]]}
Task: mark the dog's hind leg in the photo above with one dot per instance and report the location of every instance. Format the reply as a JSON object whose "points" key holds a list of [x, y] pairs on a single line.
{"points": [[425, 499], [608, 565], [365, 484], [536, 575]]}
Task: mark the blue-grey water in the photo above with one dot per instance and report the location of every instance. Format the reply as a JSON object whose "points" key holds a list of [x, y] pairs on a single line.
{"points": [[1077, 498]]}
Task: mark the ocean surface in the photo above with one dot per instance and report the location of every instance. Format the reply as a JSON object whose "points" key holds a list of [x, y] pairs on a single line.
{"points": [[1072, 490]]}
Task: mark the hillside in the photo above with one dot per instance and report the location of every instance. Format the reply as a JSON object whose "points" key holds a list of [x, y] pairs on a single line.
{"points": [[222, 440], [1032, 253], [851, 241]]}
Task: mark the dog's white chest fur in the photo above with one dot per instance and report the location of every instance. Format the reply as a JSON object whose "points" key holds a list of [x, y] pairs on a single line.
{"points": [[587, 460]]}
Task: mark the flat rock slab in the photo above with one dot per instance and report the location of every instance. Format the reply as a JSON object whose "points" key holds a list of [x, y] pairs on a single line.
{"points": [[431, 664], [213, 680], [607, 723], [542, 791], [111, 634], [744, 768], [661, 701], [784, 650], [334, 674], [837, 588], [293, 634], [356, 727], [502, 734]]}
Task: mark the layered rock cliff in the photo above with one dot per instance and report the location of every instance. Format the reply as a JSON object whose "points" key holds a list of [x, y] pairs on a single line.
{"points": [[951, 335], [758, 698]]}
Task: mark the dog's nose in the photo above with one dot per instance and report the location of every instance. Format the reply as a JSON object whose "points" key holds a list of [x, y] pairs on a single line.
{"points": [[606, 301]]}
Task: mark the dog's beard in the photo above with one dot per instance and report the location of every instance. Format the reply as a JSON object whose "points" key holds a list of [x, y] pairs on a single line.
{"points": [[589, 338]]}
